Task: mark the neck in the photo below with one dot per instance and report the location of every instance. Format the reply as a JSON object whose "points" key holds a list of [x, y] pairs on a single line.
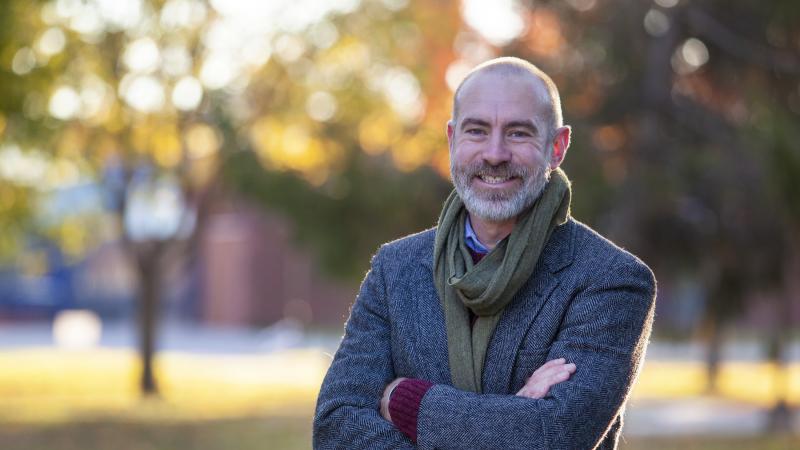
{"points": [[490, 233]]}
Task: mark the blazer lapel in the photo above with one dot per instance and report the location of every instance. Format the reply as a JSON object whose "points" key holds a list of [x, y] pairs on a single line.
{"points": [[429, 339], [518, 316]]}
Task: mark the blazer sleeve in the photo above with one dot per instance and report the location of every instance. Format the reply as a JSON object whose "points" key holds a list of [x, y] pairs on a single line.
{"points": [[347, 414], [604, 332]]}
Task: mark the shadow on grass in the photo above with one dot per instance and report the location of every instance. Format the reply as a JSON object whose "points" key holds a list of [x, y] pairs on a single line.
{"points": [[274, 433], [232, 434], [781, 442]]}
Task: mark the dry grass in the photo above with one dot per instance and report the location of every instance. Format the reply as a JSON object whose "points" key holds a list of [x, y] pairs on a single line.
{"points": [[49, 386], [750, 382], [88, 400], [260, 433]]}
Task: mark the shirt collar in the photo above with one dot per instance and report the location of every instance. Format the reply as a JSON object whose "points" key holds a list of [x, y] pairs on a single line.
{"points": [[471, 239]]}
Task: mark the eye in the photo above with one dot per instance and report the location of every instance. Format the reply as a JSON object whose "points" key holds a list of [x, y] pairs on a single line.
{"points": [[519, 134], [475, 131]]}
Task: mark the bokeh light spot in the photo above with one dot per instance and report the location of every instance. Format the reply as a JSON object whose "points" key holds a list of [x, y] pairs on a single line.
{"points": [[64, 103], [187, 94]]}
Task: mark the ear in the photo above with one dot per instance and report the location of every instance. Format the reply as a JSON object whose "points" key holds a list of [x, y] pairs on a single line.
{"points": [[451, 130], [560, 146]]}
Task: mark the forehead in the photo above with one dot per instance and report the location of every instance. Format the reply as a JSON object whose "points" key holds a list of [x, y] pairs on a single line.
{"points": [[503, 96]]}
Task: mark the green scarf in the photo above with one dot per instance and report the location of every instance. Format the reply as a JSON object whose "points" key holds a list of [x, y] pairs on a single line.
{"points": [[487, 287]]}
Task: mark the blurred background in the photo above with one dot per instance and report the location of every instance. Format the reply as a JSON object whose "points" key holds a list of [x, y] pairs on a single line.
{"points": [[191, 190]]}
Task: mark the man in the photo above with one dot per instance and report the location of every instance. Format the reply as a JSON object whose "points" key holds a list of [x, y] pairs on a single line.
{"points": [[509, 325]]}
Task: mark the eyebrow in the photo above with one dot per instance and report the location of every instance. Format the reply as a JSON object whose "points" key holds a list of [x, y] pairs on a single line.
{"points": [[471, 121]]}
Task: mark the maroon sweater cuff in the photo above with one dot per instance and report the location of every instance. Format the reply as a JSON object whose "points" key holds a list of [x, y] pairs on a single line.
{"points": [[404, 405]]}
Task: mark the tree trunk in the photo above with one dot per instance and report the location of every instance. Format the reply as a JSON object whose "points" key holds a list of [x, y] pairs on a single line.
{"points": [[713, 354], [149, 302], [780, 416]]}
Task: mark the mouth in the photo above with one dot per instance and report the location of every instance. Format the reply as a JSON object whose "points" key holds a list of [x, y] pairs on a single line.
{"points": [[496, 181]]}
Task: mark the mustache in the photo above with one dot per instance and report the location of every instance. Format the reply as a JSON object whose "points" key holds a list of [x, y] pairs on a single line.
{"points": [[503, 170]]}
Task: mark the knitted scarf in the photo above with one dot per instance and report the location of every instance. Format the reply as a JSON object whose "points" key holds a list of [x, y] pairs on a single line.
{"points": [[487, 287]]}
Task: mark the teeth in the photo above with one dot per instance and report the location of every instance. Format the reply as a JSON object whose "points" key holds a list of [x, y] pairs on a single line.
{"points": [[494, 180]]}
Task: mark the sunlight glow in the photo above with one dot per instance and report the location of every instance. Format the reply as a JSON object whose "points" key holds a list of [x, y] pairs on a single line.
{"points": [[321, 106], [289, 48], [96, 98], [93, 17], [175, 60], [183, 13], [285, 15], [51, 42], [218, 70], [656, 23], [690, 56], [323, 34], [77, 329], [122, 15], [694, 52], [65, 103], [24, 61], [187, 94], [499, 21], [26, 169], [142, 56], [142, 92], [401, 88], [456, 71], [87, 22], [257, 52], [245, 34]]}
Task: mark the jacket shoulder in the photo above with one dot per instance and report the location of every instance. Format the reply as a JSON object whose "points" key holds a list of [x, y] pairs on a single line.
{"points": [[413, 246], [594, 251]]}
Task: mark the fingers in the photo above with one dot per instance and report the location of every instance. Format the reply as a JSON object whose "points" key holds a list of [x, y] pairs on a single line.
{"points": [[546, 372], [551, 363], [546, 376]]}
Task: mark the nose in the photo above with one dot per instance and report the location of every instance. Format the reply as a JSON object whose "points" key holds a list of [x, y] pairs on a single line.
{"points": [[496, 151]]}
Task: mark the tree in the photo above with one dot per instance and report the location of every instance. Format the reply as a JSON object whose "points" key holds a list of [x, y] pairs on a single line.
{"points": [[155, 100], [687, 106]]}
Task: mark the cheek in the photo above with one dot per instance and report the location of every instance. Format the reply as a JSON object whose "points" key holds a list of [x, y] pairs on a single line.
{"points": [[464, 152], [531, 157]]}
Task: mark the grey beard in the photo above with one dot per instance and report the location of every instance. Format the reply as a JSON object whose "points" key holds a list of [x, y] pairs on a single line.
{"points": [[499, 206]]}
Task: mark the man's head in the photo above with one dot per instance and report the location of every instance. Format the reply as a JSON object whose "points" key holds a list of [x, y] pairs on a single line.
{"points": [[505, 137]]}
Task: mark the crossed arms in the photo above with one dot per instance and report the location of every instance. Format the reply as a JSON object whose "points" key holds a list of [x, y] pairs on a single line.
{"points": [[603, 333]]}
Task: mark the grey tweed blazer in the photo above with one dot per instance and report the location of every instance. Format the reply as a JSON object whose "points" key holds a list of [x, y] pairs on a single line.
{"points": [[587, 301]]}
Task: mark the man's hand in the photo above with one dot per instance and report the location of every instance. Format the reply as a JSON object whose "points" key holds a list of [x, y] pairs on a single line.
{"points": [[549, 374], [385, 399]]}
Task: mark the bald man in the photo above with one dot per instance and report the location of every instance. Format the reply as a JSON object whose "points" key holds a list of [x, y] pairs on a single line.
{"points": [[508, 325]]}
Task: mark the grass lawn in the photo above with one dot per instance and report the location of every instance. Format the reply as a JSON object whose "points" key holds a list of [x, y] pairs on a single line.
{"points": [[230, 434], [88, 400], [270, 433], [712, 443]]}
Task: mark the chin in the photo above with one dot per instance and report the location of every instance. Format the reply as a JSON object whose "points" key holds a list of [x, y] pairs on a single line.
{"points": [[493, 209]]}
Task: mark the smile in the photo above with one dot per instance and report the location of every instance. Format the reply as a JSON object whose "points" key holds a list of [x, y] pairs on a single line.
{"points": [[495, 181]]}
